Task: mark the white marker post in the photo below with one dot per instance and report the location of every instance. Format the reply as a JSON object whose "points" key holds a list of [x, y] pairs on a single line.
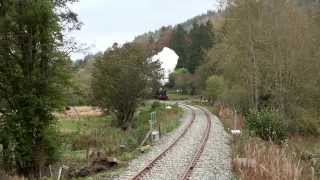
{"points": [[235, 130]]}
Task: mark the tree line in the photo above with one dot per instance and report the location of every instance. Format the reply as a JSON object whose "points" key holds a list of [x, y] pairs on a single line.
{"points": [[191, 47], [262, 57], [267, 58]]}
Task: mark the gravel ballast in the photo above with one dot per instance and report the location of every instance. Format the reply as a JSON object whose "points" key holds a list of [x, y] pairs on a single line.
{"points": [[214, 163]]}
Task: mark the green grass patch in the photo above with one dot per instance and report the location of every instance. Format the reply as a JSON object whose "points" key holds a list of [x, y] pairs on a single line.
{"points": [[77, 135]]}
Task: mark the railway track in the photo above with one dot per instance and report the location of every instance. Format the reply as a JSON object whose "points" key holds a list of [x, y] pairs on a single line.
{"points": [[186, 175], [143, 174]]}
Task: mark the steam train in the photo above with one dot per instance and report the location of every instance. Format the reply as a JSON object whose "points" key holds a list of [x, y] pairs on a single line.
{"points": [[162, 94]]}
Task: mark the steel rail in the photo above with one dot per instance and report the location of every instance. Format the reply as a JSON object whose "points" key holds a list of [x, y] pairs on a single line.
{"points": [[187, 173], [148, 168]]}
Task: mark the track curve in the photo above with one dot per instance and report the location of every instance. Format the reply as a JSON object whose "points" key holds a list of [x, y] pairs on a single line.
{"points": [[160, 156], [193, 154]]}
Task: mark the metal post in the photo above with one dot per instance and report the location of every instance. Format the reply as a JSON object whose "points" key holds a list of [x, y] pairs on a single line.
{"points": [[152, 120], [159, 124]]}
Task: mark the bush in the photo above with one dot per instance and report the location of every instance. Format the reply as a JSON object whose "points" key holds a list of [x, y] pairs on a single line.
{"points": [[155, 105], [267, 124]]}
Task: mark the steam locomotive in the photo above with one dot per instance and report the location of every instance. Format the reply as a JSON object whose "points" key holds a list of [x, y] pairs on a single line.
{"points": [[163, 94]]}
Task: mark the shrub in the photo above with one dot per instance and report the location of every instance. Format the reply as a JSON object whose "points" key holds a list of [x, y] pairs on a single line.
{"points": [[155, 105], [267, 124]]}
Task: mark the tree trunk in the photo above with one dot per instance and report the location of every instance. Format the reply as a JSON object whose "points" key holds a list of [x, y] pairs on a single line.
{"points": [[125, 118], [252, 57], [255, 78]]}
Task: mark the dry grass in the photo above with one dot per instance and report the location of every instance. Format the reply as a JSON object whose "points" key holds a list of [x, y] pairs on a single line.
{"points": [[271, 162], [79, 111], [255, 159], [228, 116]]}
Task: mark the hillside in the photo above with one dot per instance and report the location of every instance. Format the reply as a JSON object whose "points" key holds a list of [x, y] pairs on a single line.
{"points": [[187, 25]]}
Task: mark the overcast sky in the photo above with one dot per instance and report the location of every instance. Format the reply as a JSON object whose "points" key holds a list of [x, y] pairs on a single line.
{"points": [[109, 21]]}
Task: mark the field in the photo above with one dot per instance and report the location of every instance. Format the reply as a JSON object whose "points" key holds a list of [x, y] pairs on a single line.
{"points": [[82, 136]]}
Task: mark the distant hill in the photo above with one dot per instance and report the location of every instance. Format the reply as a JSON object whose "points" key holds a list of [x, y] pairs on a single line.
{"points": [[201, 19], [187, 25], [213, 16]]}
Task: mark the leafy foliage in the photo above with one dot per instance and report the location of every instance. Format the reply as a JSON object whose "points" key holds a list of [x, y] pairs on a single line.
{"points": [[191, 46], [268, 49], [33, 75], [236, 96], [79, 93], [120, 80], [180, 44], [268, 125], [215, 87]]}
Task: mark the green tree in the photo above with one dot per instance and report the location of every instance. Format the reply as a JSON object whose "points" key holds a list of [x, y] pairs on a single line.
{"points": [[268, 48], [120, 80], [33, 74], [191, 46], [181, 79], [215, 88], [207, 35], [202, 39], [179, 43], [79, 92]]}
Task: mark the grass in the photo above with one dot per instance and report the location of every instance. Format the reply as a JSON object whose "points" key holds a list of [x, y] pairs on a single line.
{"points": [[305, 144], [269, 161], [97, 132]]}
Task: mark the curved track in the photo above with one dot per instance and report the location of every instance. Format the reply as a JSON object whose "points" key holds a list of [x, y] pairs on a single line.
{"points": [[193, 155]]}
